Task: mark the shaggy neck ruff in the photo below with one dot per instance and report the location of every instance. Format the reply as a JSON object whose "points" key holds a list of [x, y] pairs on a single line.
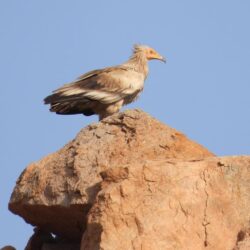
{"points": [[139, 62]]}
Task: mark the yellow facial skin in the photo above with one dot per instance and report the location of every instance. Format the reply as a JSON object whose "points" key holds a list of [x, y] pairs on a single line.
{"points": [[152, 54]]}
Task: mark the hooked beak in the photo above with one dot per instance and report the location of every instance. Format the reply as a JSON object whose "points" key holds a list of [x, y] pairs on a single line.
{"points": [[156, 56], [163, 59]]}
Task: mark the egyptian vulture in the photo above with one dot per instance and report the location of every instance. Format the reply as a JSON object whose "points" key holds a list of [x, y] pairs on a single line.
{"points": [[104, 91]]}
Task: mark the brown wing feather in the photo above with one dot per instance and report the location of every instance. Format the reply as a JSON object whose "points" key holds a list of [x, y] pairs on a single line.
{"points": [[101, 79], [102, 85], [87, 91]]}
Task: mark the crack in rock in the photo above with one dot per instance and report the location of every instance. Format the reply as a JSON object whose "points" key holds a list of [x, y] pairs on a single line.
{"points": [[205, 222]]}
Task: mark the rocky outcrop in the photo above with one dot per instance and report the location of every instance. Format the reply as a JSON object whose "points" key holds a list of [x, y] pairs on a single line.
{"points": [[171, 204], [131, 182], [8, 248]]}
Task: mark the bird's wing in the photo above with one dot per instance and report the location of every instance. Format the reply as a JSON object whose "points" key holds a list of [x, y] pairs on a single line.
{"points": [[107, 86]]}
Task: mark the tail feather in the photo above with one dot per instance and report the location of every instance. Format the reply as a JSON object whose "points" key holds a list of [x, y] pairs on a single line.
{"points": [[71, 108], [69, 105], [61, 98]]}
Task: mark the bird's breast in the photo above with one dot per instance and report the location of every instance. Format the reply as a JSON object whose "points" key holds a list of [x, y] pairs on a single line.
{"points": [[133, 85], [133, 82]]}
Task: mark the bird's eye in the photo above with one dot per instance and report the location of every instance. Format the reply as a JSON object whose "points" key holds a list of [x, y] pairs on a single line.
{"points": [[151, 52]]}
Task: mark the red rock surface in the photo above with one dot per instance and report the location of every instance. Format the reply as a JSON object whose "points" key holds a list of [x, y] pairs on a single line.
{"points": [[131, 182], [171, 204]]}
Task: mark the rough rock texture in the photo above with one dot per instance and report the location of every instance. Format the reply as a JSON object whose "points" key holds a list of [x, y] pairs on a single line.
{"points": [[171, 204], [56, 193], [243, 240], [131, 182]]}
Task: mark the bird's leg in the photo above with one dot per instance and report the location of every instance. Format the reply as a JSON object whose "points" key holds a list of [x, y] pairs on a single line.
{"points": [[106, 114], [103, 115], [110, 110]]}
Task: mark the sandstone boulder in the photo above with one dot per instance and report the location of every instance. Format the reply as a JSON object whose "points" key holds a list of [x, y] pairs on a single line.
{"points": [[171, 204], [131, 182], [56, 192]]}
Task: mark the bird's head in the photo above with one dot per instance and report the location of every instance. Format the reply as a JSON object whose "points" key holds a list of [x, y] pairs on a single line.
{"points": [[150, 53]]}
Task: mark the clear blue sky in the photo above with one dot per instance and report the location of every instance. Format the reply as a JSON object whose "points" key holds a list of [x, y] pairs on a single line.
{"points": [[203, 90]]}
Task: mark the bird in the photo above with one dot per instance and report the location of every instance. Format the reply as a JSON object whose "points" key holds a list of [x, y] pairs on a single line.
{"points": [[104, 91]]}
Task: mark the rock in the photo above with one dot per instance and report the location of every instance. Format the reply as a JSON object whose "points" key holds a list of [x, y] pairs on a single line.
{"points": [[243, 240], [8, 248], [131, 182], [172, 204], [56, 193], [42, 240], [61, 246], [38, 239]]}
